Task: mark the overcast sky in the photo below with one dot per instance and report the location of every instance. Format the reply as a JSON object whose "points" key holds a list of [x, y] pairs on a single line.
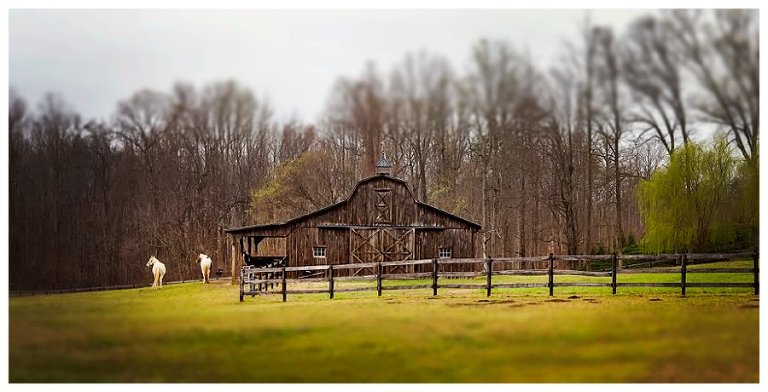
{"points": [[96, 58]]}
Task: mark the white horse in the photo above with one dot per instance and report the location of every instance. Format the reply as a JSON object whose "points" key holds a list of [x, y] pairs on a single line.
{"points": [[158, 270], [205, 266]]}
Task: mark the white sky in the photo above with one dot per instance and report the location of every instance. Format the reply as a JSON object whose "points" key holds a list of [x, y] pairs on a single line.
{"points": [[96, 57]]}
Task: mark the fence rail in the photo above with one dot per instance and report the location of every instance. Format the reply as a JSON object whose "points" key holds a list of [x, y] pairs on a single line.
{"points": [[252, 283]]}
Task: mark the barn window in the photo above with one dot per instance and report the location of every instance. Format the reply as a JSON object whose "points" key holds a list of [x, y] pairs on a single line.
{"points": [[445, 253], [383, 206], [318, 251]]}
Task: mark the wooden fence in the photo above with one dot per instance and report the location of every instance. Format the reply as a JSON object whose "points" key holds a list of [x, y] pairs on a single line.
{"points": [[261, 281]]}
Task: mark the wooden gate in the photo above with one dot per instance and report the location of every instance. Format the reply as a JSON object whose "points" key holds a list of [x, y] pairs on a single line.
{"points": [[372, 245]]}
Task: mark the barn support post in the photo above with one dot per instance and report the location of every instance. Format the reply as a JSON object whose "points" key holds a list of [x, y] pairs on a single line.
{"points": [[550, 272], [614, 264], [235, 264], [330, 281], [755, 271], [683, 272], [434, 276], [242, 285], [488, 273], [378, 279], [284, 293], [251, 278]]}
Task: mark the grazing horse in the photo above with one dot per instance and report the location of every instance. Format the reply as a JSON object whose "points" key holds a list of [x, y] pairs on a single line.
{"points": [[158, 271], [205, 266]]}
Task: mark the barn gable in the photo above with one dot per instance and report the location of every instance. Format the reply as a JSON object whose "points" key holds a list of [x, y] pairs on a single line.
{"points": [[379, 200]]}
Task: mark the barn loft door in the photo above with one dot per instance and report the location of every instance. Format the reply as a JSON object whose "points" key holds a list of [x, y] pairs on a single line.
{"points": [[372, 245]]}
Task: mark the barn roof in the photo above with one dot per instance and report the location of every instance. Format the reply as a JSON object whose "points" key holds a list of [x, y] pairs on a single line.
{"points": [[343, 202]]}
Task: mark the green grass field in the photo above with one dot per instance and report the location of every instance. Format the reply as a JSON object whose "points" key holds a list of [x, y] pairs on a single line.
{"points": [[201, 333]]}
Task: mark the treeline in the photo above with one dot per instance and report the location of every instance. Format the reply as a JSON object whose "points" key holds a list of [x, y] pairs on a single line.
{"points": [[547, 160]]}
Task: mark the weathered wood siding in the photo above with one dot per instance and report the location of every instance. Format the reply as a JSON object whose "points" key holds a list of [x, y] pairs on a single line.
{"points": [[461, 242], [303, 239], [271, 246], [380, 202]]}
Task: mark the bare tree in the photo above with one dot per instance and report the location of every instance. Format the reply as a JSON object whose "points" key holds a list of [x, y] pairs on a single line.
{"points": [[653, 70], [723, 54]]}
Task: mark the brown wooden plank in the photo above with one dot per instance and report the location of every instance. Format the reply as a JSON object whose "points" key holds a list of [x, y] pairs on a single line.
{"points": [[407, 262], [352, 278], [412, 275], [460, 261], [461, 286], [351, 289], [581, 284], [614, 272], [658, 270], [720, 284], [518, 285], [581, 273], [312, 291], [721, 270], [521, 259], [304, 268], [354, 266], [581, 257], [683, 269], [435, 270], [285, 295], [280, 280], [550, 274], [310, 280], [408, 287], [756, 272], [522, 272], [731, 256], [670, 256], [461, 274], [253, 293], [648, 284], [489, 274]]}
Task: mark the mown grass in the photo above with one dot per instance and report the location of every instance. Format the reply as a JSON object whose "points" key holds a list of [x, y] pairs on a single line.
{"points": [[201, 333]]}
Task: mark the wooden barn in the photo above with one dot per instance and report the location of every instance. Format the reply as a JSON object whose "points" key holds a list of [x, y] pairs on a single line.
{"points": [[380, 221]]}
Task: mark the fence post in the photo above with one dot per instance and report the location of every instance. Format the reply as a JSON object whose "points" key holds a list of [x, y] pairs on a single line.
{"points": [[434, 276], [614, 264], [378, 279], [284, 293], [683, 271], [242, 286], [330, 280], [551, 274], [757, 282], [488, 274]]}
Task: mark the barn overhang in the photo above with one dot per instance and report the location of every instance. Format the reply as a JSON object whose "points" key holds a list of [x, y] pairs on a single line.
{"points": [[344, 226]]}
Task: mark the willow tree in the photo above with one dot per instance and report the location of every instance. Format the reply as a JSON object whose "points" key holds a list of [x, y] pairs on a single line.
{"points": [[697, 202]]}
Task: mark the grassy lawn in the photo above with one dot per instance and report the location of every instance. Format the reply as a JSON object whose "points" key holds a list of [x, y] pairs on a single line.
{"points": [[201, 333]]}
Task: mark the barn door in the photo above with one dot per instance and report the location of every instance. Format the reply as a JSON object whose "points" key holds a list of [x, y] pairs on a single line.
{"points": [[372, 245]]}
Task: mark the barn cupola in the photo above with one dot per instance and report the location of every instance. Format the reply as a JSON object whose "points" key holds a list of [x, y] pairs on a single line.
{"points": [[383, 166]]}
